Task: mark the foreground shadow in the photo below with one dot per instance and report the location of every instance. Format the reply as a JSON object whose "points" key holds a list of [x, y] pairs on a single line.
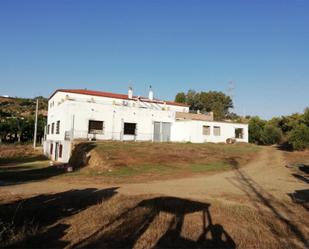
{"points": [[23, 174], [130, 226], [261, 199], [301, 196], [44, 212], [21, 159]]}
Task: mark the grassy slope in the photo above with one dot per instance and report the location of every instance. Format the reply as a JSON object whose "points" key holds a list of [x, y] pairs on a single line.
{"points": [[129, 159], [127, 162]]}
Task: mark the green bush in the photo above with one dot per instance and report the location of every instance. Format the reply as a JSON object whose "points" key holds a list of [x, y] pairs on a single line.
{"points": [[271, 135], [299, 137], [306, 116], [256, 126]]}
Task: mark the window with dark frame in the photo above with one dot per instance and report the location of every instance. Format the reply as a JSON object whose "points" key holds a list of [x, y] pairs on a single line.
{"points": [[95, 127], [58, 127], [52, 128], [217, 130], [129, 129], [206, 130], [239, 133], [48, 129]]}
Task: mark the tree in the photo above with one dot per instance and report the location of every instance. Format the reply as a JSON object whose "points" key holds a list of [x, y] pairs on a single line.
{"points": [[287, 123], [299, 137], [306, 116], [180, 97], [4, 130], [214, 101]]}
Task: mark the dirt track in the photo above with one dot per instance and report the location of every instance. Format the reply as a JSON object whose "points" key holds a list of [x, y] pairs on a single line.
{"points": [[263, 187], [267, 174]]}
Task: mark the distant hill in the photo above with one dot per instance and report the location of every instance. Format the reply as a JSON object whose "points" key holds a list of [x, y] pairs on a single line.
{"points": [[21, 107]]}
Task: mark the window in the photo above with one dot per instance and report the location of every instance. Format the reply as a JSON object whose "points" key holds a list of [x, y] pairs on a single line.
{"points": [[239, 133], [95, 127], [51, 148], [60, 150], [58, 127], [206, 130], [48, 128], [129, 129], [217, 130], [52, 128]]}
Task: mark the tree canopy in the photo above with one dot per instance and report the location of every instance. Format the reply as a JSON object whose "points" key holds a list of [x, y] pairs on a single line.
{"points": [[217, 102], [292, 130]]}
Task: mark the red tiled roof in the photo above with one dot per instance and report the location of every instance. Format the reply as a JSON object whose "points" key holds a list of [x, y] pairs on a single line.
{"points": [[113, 95]]}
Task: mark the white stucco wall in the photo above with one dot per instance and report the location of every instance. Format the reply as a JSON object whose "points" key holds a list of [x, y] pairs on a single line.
{"points": [[75, 111], [192, 131]]}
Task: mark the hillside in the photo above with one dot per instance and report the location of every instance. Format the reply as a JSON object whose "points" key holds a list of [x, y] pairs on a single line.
{"points": [[21, 107]]}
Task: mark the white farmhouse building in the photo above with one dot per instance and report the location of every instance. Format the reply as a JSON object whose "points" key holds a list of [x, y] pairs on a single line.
{"points": [[92, 115]]}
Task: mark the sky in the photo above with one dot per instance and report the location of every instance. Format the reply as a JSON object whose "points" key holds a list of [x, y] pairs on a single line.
{"points": [[174, 45]]}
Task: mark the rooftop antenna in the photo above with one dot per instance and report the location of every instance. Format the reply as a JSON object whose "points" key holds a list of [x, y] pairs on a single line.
{"points": [[230, 90]]}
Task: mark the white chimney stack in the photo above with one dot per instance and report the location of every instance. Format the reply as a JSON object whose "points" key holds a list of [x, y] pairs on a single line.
{"points": [[150, 95], [130, 93]]}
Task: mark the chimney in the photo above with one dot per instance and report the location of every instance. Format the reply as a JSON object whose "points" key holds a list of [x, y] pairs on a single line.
{"points": [[150, 95], [130, 93]]}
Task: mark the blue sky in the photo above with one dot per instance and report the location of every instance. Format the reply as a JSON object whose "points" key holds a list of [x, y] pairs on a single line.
{"points": [[263, 46]]}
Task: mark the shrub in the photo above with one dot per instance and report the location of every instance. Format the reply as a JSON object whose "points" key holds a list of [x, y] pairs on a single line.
{"points": [[256, 126], [271, 135], [299, 137], [306, 116]]}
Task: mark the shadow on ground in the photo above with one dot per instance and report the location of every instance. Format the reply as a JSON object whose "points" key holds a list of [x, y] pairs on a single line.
{"points": [[23, 174], [283, 213], [44, 213], [21, 159], [130, 226], [301, 196]]}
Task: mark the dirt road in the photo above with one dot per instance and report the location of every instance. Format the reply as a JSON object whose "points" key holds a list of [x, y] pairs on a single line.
{"points": [[259, 191], [266, 174]]}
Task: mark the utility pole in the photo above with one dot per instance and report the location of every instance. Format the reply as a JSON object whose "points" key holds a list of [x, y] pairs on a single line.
{"points": [[36, 123]]}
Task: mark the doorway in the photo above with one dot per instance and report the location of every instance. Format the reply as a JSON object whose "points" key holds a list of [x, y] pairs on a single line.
{"points": [[161, 132], [56, 151]]}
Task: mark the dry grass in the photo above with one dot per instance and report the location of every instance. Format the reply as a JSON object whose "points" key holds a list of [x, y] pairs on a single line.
{"points": [[117, 161], [297, 157], [147, 221], [12, 153]]}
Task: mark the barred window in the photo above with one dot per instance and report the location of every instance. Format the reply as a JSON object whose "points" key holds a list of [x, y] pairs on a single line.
{"points": [[129, 129], [95, 127]]}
